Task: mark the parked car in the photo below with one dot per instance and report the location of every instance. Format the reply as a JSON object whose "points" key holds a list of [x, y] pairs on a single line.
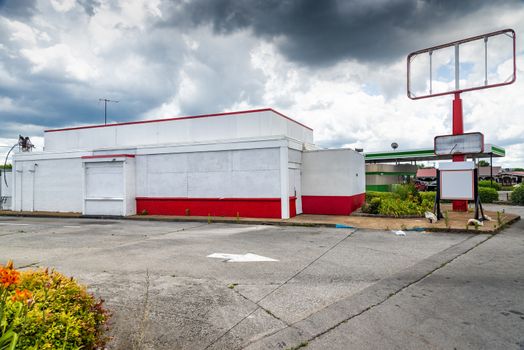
{"points": [[421, 185], [425, 185], [431, 186]]}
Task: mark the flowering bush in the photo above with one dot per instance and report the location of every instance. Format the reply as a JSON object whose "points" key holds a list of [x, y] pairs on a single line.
{"points": [[46, 310], [13, 306]]}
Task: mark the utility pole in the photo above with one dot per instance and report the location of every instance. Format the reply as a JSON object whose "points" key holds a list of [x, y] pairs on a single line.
{"points": [[105, 100]]}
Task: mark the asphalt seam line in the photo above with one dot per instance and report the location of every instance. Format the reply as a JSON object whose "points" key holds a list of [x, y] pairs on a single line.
{"points": [[401, 289], [278, 287]]}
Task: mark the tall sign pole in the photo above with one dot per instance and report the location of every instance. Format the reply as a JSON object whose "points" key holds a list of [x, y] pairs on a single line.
{"points": [[458, 124], [415, 93]]}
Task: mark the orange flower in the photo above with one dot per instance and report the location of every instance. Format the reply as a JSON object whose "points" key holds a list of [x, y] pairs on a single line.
{"points": [[23, 295], [9, 277]]}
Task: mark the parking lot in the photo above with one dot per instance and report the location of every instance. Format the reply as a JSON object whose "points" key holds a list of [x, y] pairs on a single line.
{"points": [[326, 287]]}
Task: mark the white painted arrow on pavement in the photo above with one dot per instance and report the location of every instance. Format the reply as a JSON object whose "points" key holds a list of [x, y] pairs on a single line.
{"points": [[240, 257]]}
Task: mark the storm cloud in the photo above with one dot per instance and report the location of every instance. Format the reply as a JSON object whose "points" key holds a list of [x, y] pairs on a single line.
{"points": [[323, 32], [337, 66], [17, 9]]}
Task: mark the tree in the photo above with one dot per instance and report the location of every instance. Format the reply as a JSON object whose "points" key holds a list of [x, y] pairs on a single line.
{"points": [[483, 163]]}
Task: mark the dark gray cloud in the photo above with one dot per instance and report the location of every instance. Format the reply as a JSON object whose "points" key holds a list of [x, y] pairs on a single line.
{"points": [[143, 69], [90, 6], [17, 8], [323, 32], [193, 57]]}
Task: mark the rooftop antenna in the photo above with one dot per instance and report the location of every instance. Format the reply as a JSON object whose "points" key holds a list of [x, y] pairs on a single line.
{"points": [[105, 100]]}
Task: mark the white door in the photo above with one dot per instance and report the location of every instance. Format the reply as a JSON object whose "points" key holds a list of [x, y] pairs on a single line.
{"points": [[104, 188], [18, 190], [27, 182], [296, 188]]}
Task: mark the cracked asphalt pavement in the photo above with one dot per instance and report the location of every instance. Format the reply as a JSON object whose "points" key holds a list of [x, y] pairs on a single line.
{"points": [[330, 288]]}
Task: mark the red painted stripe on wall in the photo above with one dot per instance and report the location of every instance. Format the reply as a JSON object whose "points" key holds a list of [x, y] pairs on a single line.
{"points": [[229, 207], [332, 205]]}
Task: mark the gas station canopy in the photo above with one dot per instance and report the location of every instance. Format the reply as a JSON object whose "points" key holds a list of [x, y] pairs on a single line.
{"points": [[428, 154]]}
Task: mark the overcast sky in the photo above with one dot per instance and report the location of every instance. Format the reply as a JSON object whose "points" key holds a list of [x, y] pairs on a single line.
{"points": [[337, 66]]}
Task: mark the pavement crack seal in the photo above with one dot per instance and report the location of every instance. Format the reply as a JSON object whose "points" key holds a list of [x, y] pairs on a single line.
{"points": [[392, 294], [159, 236], [280, 286], [260, 306], [147, 238], [28, 265]]}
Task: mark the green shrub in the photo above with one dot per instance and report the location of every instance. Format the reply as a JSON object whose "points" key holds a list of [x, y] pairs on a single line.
{"points": [[397, 207], [372, 206], [406, 191], [62, 314], [427, 204], [430, 195], [488, 194], [507, 188], [373, 194], [487, 183], [517, 196], [406, 200]]}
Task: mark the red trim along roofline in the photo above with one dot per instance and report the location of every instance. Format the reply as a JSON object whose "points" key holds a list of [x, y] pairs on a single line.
{"points": [[109, 156], [181, 118]]}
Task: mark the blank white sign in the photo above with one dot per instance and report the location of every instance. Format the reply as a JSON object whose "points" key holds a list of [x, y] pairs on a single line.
{"points": [[459, 144], [456, 184]]}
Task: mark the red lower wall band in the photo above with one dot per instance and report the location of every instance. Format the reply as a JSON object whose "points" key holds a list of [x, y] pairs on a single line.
{"points": [[332, 205], [228, 207]]}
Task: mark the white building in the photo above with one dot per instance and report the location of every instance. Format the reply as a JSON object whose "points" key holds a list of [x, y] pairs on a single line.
{"points": [[256, 163], [5, 193]]}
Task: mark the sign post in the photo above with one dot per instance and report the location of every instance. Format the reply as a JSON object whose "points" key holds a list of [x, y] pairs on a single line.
{"points": [[436, 60], [458, 181]]}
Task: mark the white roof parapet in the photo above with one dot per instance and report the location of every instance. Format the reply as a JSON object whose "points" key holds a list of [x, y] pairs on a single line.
{"points": [[260, 123]]}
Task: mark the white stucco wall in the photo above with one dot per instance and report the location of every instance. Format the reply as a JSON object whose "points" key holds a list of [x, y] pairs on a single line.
{"points": [[191, 130], [252, 173], [5, 189], [48, 185], [337, 172], [255, 168]]}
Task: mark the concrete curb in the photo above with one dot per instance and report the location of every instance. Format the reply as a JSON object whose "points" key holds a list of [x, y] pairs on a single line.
{"points": [[242, 221], [343, 310], [42, 215], [216, 220]]}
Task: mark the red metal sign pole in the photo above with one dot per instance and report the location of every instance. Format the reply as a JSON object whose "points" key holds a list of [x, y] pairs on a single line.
{"points": [[458, 129]]}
